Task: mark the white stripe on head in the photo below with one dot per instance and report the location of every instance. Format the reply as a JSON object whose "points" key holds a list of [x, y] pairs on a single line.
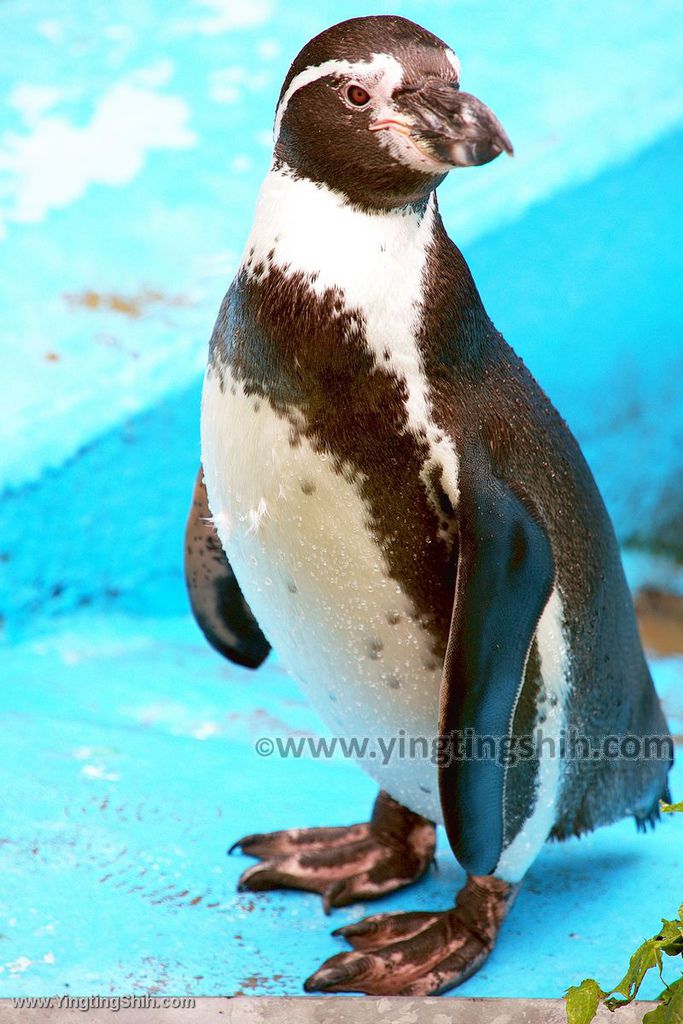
{"points": [[381, 66], [453, 60]]}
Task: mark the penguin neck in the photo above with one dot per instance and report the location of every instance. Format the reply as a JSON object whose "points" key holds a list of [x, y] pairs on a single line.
{"points": [[385, 267], [304, 227]]}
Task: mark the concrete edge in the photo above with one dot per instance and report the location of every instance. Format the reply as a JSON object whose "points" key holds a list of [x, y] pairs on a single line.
{"points": [[67, 1009]]}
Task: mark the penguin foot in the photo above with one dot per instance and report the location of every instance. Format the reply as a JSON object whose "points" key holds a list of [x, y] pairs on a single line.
{"points": [[343, 864], [419, 953]]}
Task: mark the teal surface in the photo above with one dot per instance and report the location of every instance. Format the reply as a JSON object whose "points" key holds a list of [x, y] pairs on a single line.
{"points": [[133, 137], [128, 766]]}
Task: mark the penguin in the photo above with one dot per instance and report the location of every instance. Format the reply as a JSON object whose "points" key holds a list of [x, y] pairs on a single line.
{"points": [[388, 499]]}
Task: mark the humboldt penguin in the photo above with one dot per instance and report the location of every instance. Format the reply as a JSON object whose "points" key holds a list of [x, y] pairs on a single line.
{"points": [[398, 509]]}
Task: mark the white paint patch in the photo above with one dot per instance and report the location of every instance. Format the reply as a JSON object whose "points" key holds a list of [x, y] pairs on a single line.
{"points": [[241, 163], [268, 49], [51, 30], [227, 85], [154, 76], [216, 265], [56, 162], [377, 260], [97, 771], [319, 586], [32, 101], [203, 731], [18, 966], [225, 15], [83, 753], [554, 659]]}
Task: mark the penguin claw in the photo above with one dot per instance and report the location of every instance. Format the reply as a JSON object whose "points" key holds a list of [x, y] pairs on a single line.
{"points": [[340, 875], [402, 954], [342, 864], [297, 840], [385, 877], [374, 932], [419, 953], [330, 895]]}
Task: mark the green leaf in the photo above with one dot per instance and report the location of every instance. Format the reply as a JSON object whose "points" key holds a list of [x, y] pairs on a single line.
{"points": [[582, 1001], [670, 932], [672, 808], [670, 1010], [645, 957], [669, 940]]}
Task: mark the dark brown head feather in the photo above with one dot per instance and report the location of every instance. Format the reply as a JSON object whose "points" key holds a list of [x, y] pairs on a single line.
{"points": [[324, 140]]}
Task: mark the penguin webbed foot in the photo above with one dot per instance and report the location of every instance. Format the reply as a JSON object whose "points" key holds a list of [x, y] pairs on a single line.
{"points": [[344, 863], [418, 953]]}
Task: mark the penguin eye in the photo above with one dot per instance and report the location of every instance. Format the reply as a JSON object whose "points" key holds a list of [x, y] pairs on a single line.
{"points": [[357, 95]]}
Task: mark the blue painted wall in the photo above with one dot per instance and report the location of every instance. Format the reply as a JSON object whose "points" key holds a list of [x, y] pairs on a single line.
{"points": [[584, 285], [134, 136]]}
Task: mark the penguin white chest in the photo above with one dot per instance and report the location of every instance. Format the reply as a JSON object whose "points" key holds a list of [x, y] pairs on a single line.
{"points": [[294, 523], [297, 533]]}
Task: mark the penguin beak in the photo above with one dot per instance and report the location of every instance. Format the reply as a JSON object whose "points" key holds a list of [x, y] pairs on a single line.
{"points": [[452, 127]]}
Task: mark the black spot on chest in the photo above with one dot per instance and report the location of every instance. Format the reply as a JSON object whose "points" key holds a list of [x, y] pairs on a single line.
{"points": [[444, 502]]}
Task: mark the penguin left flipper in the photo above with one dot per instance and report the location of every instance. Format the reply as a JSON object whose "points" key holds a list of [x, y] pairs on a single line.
{"points": [[222, 614], [505, 577]]}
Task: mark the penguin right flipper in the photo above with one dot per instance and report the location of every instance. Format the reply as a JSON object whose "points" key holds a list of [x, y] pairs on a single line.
{"points": [[222, 614], [505, 577]]}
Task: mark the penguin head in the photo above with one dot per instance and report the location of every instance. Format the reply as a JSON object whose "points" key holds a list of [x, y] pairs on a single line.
{"points": [[372, 108]]}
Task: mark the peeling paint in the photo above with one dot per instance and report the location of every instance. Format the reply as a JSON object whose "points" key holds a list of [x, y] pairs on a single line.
{"points": [[135, 306]]}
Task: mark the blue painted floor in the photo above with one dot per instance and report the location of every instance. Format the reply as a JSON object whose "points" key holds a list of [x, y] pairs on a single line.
{"points": [[128, 766], [133, 137]]}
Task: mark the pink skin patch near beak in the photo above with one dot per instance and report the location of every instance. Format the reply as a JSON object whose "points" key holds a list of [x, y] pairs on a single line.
{"points": [[389, 122], [401, 128]]}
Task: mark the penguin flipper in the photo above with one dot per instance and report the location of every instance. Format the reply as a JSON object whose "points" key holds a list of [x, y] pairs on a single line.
{"points": [[222, 614], [505, 576]]}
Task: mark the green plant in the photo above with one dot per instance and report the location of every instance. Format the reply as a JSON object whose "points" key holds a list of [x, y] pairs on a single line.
{"points": [[583, 1000]]}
